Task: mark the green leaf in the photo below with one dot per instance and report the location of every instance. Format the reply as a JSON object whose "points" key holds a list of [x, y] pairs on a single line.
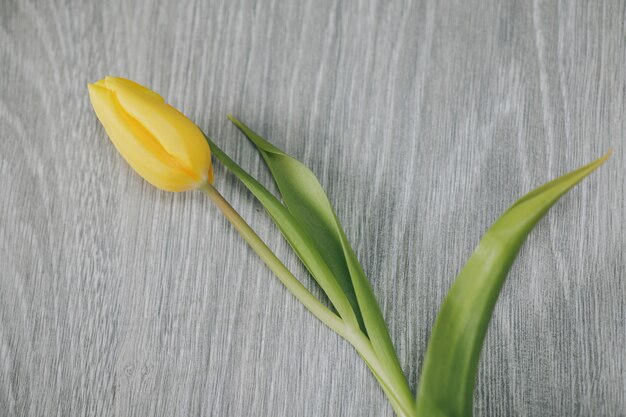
{"points": [[308, 203], [450, 365], [399, 397], [299, 240]]}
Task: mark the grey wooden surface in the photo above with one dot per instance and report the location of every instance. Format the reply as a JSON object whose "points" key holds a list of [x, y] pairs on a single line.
{"points": [[424, 120]]}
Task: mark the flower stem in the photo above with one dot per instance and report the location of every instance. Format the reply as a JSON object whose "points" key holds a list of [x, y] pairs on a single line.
{"points": [[401, 405], [323, 313]]}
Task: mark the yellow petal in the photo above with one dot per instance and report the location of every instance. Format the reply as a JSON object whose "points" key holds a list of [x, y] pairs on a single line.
{"points": [[138, 88], [144, 154], [178, 135]]}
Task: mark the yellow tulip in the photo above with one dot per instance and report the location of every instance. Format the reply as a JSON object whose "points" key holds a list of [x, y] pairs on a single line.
{"points": [[166, 148]]}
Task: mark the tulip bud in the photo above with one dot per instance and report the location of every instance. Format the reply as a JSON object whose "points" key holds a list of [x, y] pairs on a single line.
{"points": [[166, 148]]}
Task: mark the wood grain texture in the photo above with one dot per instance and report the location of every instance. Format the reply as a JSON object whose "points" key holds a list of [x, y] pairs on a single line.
{"points": [[424, 120]]}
